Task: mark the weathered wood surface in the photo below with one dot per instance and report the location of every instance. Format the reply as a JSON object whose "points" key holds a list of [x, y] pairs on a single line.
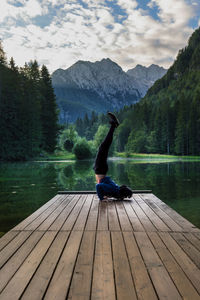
{"points": [[75, 247]]}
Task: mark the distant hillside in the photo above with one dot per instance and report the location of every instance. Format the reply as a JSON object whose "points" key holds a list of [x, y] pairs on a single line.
{"points": [[99, 86], [146, 76], [167, 119]]}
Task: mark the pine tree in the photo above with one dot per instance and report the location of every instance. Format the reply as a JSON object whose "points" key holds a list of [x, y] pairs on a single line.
{"points": [[49, 115], [31, 108], [2, 55]]}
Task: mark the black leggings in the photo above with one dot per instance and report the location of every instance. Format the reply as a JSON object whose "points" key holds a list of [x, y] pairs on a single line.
{"points": [[100, 165]]}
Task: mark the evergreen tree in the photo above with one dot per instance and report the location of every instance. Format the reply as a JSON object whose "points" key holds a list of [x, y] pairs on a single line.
{"points": [[49, 115], [32, 95], [2, 55]]}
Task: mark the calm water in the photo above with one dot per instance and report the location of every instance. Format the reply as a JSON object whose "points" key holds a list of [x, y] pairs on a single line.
{"points": [[24, 187]]}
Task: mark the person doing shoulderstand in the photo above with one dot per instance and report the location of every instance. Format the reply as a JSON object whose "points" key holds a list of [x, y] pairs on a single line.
{"points": [[105, 186]]}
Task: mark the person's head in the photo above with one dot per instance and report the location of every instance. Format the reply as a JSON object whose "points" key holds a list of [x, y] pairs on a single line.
{"points": [[99, 177]]}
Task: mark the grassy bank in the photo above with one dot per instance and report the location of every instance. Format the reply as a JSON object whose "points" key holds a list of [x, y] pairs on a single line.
{"points": [[156, 156], [64, 155], [59, 155]]}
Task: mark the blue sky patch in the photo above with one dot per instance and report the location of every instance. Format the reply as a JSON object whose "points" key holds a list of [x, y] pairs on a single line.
{"points": [[16, 3], [118, 13], [43, 21], [153, 12]]}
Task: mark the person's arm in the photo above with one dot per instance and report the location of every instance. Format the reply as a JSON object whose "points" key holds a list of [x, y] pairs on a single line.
{"points": [[99, 191]]}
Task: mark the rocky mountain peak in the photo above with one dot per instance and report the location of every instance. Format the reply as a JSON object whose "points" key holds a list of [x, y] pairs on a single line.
{"points": [[100, 86], [146, 76]]}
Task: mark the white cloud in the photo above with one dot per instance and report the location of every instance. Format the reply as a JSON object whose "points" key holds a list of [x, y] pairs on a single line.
{"points": [[90, 32], [177, 12], [30, 8], [128, 5], [148, 40]]}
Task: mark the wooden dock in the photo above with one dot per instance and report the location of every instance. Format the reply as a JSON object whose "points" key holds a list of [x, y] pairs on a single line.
{"points": [[75, 247]]}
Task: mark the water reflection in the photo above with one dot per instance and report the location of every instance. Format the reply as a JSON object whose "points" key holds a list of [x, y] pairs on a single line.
{"points": [[76, 176], [26, 186]]}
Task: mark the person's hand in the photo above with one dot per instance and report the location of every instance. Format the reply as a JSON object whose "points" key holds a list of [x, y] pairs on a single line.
{"points": [[105, 199]]}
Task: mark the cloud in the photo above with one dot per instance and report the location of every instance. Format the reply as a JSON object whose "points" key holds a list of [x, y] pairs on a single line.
{"points": [[174, 12], [149, 40], [26, 10], [94, 29]]}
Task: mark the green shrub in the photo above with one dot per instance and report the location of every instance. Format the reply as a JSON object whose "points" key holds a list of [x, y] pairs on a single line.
{"points": [[82, 149], [68, 145]]}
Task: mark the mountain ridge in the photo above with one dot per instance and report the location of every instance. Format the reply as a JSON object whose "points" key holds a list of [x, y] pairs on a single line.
{"points": [[98, 86]]}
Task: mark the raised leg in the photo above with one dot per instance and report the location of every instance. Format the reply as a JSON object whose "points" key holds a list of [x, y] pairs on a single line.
{"points": [[101, 166]]}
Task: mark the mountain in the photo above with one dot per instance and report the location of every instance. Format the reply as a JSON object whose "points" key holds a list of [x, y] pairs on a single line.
{"points": [[167, 119], [99, 86], [146, 76], [87, 87]]}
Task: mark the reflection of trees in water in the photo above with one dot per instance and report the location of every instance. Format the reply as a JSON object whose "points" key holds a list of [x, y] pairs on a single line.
{"points": [[177, 184], [77, 176], [167, 180]]}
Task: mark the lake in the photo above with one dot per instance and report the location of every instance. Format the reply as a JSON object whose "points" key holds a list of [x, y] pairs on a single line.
{"points": [[24, 187]]}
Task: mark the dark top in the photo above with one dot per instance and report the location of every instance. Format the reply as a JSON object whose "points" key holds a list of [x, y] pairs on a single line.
{"points": [[107, 187]]}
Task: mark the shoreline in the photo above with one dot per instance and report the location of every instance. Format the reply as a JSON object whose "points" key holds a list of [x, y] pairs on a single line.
{"points": [[117, 156]]}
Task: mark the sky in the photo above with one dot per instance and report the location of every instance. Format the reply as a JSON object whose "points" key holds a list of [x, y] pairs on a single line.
{"points": [[58, 33]]}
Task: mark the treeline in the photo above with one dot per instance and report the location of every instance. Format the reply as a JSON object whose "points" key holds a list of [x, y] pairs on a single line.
{"points": [[167, 119], [28, 111], [88, 126]]}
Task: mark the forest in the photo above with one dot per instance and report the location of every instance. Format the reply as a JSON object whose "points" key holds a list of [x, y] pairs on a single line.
{"points": [[28, 110]]}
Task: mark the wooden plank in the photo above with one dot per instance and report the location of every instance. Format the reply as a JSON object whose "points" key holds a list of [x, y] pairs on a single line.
{"points": [[93, 215], [165, 217], [38, 284], [188, 248], [190, 269], [40, 219], [181, 281], [123, 279], [13, 264], [81, 220], [7, 238], [34, 215], [142, 217], [58, 223], [143, 284], [10, 249], [69, 223], [123, 217], [164, 286], [136, 224], [103, 216], [59, 284], [80, 287], [103, 279], [158, 223], [197, 234], [54, 215], [185, 224], [113, 220], [19, 281], [193, 239]]}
